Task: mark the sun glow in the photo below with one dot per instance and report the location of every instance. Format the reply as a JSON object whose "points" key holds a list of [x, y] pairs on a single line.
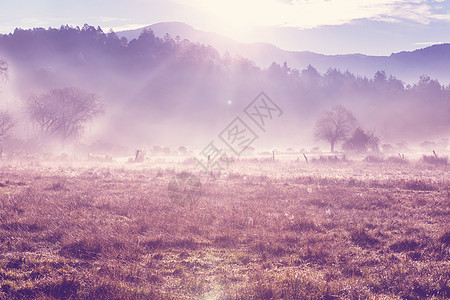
{"points": [[237, 15]]}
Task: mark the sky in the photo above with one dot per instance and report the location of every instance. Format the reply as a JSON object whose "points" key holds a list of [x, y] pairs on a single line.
{"points": [[374, 27]]}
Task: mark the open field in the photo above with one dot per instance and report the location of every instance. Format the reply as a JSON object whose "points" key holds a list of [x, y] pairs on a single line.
{"points": [[262, 230]]}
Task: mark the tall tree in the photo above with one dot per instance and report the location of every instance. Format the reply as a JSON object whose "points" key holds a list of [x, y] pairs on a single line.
{"points": [[334, 125], [64, 112], [3, 70], [6, 120]]}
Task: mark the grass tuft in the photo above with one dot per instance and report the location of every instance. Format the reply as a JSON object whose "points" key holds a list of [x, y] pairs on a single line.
{"points": [[87, 249]]}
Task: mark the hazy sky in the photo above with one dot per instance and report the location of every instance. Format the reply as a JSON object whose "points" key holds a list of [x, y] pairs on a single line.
{"points": [[327, 26]]}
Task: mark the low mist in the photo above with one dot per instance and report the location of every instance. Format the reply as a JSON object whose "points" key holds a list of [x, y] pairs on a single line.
{"points": [[171, 92]]}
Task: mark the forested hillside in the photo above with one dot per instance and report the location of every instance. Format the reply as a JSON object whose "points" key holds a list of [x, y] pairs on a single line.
{"points": [[152, 86]]}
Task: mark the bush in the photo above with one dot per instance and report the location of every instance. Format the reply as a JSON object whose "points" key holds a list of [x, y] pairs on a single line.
{"points": [[361, 142], [435, 160]]}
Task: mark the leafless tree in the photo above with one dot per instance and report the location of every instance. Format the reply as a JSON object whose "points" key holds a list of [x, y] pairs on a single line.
{"points": [[64, 112], [6, 122], [334, 125], [3, 70]]}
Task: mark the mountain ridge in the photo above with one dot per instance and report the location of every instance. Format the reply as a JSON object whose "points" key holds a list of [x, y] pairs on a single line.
{"points": [[408, 66]]}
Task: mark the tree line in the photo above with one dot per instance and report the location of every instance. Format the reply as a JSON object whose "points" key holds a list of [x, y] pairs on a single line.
{"points": [[166, 72]]}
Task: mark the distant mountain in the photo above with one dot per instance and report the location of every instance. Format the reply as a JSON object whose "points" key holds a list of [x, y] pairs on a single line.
{"points": [[433, 61], [185, 31]]}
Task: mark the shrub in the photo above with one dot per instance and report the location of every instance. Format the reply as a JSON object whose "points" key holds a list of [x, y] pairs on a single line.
{"points": [[435, 160], [361, 142]]}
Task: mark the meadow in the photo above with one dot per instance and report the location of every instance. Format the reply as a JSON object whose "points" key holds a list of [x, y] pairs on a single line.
{"points": [[260, 230]]}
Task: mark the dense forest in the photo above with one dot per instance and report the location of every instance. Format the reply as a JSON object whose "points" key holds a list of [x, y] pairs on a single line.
{"points": [[170, 91]]}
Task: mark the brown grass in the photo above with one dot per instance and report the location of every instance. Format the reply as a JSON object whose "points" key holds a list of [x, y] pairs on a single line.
{"points": [[114, 233]]}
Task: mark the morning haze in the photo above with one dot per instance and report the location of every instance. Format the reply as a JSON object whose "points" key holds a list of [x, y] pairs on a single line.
{"points": [[197, 158]]}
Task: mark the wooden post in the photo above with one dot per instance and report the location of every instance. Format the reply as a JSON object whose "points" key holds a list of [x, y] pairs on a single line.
{"points": [[273, 155], [306, 158], [138, 154]]}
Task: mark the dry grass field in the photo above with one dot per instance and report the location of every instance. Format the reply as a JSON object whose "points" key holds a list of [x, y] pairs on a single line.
{"points": [[262, 230]]}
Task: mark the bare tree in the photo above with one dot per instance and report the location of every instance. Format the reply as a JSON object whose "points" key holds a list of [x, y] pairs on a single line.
{"points": [[6, 122], [334, 125], [3, 70], [64, 112]]}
